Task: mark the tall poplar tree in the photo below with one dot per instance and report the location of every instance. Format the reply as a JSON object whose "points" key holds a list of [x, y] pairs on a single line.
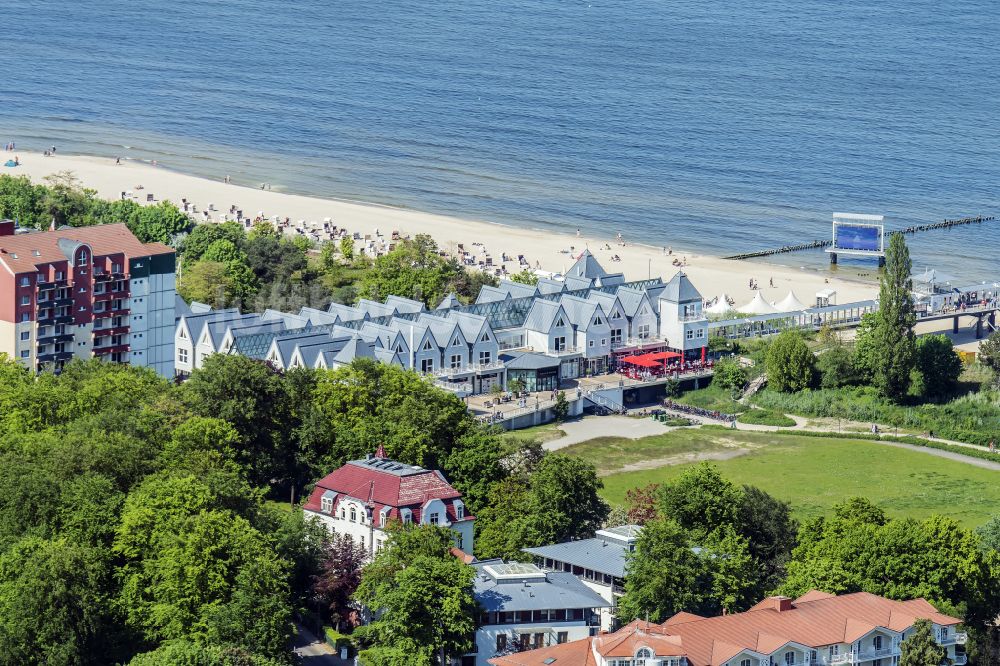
{"points": [[894, 328]]}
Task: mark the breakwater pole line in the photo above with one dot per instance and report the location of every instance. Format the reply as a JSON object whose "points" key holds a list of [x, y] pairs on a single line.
{"points": [[945, 224]]}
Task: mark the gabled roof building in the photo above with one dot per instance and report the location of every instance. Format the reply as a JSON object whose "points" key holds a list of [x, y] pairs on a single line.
{"points": [[363, 496], [817, 629]]}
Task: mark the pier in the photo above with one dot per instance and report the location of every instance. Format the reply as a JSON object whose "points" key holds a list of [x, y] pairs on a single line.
{"points": [[822, 244]]}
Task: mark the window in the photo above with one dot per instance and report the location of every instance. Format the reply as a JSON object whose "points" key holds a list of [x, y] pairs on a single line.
{"points": [[116, 268], [25, 316], [590, 343], [598, 321], [427, 346], [485, 357], [25, 335], [560, 322], [501, 643], [456, 361], [82, 260], [744, 662], [690, 334], [434, 518], [562, 637], [701, 333], [60, 275], [813, 656], [459, 510], [427, 365], [616, 315], [326, 504], [25, 281], [485, 338], [877, 642], [616, 336], [789, 658], [643, 331], [25, 353], [560, 344], [26, 300], [604, 341], [182, 355], [182, 335], [354, 515]]}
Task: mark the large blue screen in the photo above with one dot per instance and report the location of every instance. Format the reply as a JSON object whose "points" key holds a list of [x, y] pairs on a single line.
{"points": [[851, 237]]}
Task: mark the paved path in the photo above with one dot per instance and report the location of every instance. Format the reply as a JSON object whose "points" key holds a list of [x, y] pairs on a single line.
{"points": [[314, 652], [592, 427]]}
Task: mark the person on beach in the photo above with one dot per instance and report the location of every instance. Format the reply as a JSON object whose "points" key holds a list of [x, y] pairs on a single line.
{"points": [[118, 160]]}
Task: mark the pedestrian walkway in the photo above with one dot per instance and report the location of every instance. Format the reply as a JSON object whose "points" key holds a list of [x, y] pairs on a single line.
{"points": [[592, 427], [314, 652]]}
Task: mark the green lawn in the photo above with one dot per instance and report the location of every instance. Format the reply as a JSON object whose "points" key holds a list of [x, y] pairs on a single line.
{"points": [[765, 417], [811, 473], [543, 433]]}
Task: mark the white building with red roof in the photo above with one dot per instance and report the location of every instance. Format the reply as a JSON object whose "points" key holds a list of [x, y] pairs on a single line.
{"points": [[364, 496], [817, 629]]}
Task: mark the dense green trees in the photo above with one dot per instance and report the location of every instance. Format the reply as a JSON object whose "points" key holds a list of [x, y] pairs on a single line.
{"points": [[790, 364], [731, 375], [859, 548], [548, 499], [416, 269], [414, 568]]}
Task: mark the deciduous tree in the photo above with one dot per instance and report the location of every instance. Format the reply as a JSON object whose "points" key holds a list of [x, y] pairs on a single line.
{"points": [[790, 364]]}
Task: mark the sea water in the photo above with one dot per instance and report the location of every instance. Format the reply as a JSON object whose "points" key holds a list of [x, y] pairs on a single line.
{"points": [[715, 126]]}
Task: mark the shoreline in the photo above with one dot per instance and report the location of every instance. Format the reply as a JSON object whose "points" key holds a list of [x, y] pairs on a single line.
{"points": [[712, 275]]}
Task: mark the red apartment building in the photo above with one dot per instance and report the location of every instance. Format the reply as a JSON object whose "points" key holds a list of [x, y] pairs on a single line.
{"points": [[86, 292]]}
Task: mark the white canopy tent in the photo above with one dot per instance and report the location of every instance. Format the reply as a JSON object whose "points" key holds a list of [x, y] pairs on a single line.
{"points": [[758, 306], [721, 306], [790, 303]]}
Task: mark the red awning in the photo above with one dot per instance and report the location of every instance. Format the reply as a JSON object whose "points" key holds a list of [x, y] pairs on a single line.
{"points": [[663, 355], [643, 361]]}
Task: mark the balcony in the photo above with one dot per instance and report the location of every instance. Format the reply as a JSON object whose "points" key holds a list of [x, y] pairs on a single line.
{"points": [[637, 343], [958, 638], [46, 286], [55, 357], [563, 351], [54, 338], [109, 348], [105, 296], [468, 368], [55, 302]]}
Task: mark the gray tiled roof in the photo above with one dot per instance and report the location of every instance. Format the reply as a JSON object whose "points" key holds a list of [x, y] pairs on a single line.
{"points": [[586, 266], [579, 310], [548, 286], [601, 555], [680, 290], [528, 361], [346, 312], [541, 315], [574, 283], [517, 290], [488, 294], [319, 316], [450, 301], [553, 591], [401, 304]]}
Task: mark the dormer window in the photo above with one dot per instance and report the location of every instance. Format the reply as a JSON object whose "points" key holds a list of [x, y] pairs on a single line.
{"points": [[642, 654], [598, 321], [560, 322], [82, 259], [459, 510], [326, 505], [428, 346], [434, 518], [406, 515], [485, 338], [744, 662], [383, 516]]}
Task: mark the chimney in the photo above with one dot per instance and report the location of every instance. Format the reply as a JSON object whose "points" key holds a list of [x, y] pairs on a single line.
{"points": [[781, 604], [7, 227]]}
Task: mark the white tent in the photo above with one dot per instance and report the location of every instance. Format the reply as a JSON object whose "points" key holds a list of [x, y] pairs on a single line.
{"points": [[757, 306], [790, 304], [721, 306]]}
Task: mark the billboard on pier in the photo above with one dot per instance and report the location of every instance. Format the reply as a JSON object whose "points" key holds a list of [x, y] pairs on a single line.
{"points": [[861, 234]]}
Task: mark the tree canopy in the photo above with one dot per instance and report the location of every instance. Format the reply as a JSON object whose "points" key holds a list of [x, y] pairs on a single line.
{"points": [[790, 365]]}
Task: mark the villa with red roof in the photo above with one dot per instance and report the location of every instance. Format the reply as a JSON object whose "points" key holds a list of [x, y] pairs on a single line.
{"points": [[363, 496], [817, 629]]}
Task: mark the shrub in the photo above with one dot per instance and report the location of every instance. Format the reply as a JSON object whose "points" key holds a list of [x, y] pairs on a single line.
{"points": [[730, 375]]}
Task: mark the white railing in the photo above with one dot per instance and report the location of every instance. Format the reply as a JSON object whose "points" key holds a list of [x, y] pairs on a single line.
{"points": [[959, 638], [466, 368], [563, 351]]}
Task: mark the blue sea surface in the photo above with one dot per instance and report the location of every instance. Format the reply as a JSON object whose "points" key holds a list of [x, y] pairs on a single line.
{"points": [[714, 126]]}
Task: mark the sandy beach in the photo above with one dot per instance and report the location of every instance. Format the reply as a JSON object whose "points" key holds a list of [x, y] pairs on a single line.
{"points": [[550, 251]]}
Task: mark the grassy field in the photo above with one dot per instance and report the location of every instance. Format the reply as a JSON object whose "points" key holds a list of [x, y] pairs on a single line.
{"points": [[765, 417], [810, 473], [712, 397]]}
